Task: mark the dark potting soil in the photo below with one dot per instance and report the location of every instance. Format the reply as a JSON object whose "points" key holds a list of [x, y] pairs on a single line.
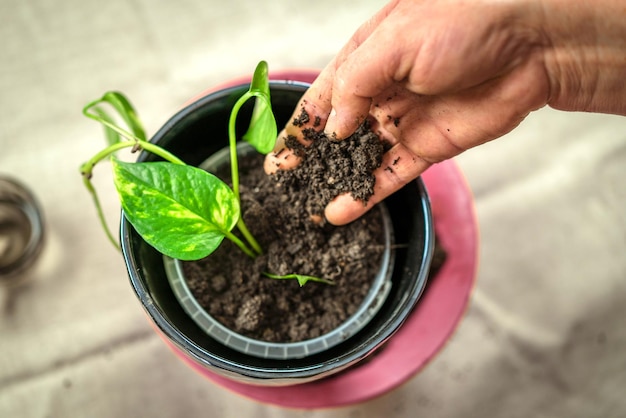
{"points": [[279, 211]]}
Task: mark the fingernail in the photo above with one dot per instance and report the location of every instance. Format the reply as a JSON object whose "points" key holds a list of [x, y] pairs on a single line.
{"points": [[331, 122]]}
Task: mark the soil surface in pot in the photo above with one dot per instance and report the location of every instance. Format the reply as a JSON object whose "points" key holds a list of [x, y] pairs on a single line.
{"points": [[284, 212]]}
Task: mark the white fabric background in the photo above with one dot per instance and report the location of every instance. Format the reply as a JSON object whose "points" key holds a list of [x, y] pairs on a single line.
{"points": [[545, 333]]}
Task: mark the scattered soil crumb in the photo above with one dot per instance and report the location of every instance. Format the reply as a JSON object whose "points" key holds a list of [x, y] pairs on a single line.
{"points": [[301, 119]]}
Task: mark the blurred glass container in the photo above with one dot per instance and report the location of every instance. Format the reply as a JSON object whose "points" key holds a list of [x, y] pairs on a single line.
{"points": [[21, 230]]}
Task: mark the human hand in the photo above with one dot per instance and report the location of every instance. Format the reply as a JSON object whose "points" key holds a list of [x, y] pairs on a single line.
{"points": [[437, 78]]}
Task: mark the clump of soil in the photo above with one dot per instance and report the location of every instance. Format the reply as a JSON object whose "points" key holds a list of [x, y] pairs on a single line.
{"points": [[278, 210], [332, 167]]}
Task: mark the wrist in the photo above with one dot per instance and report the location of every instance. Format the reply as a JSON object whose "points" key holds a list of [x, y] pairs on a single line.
{"points": [[585, 54]]}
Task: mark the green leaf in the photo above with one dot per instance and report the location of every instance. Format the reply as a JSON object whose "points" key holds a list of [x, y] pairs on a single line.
{"points": [[262, 131], [301, 278], [124, 109], [182, 211], [112, 137], [260, 80]]}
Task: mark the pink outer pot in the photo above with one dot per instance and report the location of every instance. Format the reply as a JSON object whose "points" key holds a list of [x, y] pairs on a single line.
{"points": [[431, 324]]}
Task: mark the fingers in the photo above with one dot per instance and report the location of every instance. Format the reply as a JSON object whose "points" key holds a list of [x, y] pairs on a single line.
{"points": [[400, 166], [432, 129], [361, 73], [282, 158], [311, 112], [317, 102], [318, 99]]}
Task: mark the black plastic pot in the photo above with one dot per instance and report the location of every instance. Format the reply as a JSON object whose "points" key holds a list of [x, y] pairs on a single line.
{"points": [[186, 136]]}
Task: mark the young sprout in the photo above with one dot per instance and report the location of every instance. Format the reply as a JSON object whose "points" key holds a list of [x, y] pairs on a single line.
{"points": [[301, 278]]}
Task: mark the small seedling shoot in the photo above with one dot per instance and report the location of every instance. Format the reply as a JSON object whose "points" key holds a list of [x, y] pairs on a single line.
{"points": [[182, 211]]}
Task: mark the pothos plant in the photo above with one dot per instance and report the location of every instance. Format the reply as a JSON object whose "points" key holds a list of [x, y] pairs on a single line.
{"points": [[182, 211]]}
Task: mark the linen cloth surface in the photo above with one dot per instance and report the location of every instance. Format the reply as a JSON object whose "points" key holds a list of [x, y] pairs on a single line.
{"points": [[544, 334]]}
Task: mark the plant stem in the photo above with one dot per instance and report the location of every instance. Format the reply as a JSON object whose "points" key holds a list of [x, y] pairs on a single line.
{"points": [[87, 171], [249, 237], [239, 243], [101, 216], [234, 168], [232, 142], [87, 168]]}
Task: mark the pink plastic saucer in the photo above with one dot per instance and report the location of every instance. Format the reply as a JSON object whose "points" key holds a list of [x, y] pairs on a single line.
{"points": [[425, 332]]}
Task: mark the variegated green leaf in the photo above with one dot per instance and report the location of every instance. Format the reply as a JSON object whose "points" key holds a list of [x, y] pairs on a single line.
{"points": [[182, 211]]}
